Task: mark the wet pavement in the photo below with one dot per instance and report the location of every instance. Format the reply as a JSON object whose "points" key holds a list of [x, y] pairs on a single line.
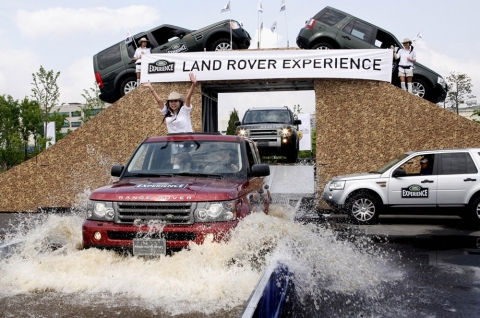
{"points": [[422, 266]]}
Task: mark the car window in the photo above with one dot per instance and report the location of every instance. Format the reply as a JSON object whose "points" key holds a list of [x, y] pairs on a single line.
{"points": [[419, 165], [349, 27], [109, 57], [457, 163], [361, 30], [250, 157], [329, 16]]}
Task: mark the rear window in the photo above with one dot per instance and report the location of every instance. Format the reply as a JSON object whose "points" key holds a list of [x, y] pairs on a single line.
{"points": [[109, 57], [329, 16], [457, 163]]}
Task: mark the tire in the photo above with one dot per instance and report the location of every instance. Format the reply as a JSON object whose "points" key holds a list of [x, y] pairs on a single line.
{"points": [[128, 85], [322, 46], [363, 208], [292, 155], [420, 88], [473, 213], [223, 45]]}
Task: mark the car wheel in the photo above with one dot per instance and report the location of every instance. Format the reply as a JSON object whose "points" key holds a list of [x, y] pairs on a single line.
{"points": [[223, 45], [322, 46], [127, 86], [419, 88], [473, 213], [363, 208], [292, 156]]}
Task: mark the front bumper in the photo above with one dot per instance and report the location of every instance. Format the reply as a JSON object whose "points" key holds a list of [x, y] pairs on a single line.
{"points": [[120, 236], [439, 93]]}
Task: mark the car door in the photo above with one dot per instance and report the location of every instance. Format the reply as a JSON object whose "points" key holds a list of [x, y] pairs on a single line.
{"points": [[457, 174], [414, 189], [356, 34]]}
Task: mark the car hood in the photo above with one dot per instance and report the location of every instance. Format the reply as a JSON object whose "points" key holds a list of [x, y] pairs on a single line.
{"points": [[357, 176], [264, 125], [168, 189]]}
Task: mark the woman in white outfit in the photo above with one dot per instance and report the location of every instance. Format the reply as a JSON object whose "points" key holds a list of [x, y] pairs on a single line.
{"points": [[139, 52], [407, 57], [176, 110]]}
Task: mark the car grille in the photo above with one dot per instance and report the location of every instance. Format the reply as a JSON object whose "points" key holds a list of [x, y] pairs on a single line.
{"points": [[168, 212], [263, 132], [169, 236]]}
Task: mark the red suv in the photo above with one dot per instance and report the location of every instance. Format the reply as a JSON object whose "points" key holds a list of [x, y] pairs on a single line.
{"points": [[177, 189]]}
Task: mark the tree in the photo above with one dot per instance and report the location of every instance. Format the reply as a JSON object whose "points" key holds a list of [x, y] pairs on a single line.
{"points": [[460, 89], [231, 129], [476, 112], [31, 122], [10, 140], [46, 93], [93, 103]]}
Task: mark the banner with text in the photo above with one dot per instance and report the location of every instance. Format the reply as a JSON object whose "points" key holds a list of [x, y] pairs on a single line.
{"points": [[238, 65]]}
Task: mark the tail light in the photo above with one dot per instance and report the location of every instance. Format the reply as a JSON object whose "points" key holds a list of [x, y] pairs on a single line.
{"points": [[311, 23], [98, 78]]}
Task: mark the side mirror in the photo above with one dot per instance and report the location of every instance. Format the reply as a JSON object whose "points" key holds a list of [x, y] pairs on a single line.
{"points": [[237, 123], [116, 170], [260, 170], [297, 122], [399, 172]]}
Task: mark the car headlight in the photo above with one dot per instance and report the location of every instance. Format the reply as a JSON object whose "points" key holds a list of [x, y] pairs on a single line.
{"points": [[100, 210], [285, 132], [215, 212], [242, 132], [234, 25], [441, 81], [337, 185]]}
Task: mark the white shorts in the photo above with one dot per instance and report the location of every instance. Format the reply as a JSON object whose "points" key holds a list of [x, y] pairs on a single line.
{"points": [[405, 72], [138, 68]]}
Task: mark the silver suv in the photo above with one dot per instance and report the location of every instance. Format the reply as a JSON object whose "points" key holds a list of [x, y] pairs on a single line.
{"points": [[445, 178]]}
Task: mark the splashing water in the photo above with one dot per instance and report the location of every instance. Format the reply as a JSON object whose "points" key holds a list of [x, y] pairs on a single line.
{"points": [[208, 278]]}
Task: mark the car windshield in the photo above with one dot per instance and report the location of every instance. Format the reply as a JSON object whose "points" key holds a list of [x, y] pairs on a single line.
{"points": [[267, 116], [391, 163], [214, 159]]}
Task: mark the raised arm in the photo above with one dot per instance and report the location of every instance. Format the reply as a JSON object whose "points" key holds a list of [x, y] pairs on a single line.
{"points": [[193, 79], [148, 85]]}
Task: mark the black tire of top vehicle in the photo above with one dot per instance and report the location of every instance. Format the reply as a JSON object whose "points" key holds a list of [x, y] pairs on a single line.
{"points": [[223, 45], [128, 85], [473, 214], [322, 46], [363, 208], [420, 88]]}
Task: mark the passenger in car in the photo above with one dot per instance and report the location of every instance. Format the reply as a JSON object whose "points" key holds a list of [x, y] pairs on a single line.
{"points": [[139, 52], [407, 57], [225, 162], [176, 114]]}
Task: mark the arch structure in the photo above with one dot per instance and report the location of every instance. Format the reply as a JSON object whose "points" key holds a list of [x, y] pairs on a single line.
{"points": [[360, 125]]}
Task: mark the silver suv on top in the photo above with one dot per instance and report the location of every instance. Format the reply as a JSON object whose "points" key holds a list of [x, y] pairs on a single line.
{"points": [[447, 178]]}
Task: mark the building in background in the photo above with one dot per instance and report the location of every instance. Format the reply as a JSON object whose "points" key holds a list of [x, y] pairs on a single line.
{"points": [[74, 113]]}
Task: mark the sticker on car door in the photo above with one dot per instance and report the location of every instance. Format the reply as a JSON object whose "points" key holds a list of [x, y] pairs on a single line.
{"points": [[415, 191]]}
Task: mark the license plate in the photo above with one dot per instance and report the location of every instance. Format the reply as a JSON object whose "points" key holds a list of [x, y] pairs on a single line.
{"points": [[149, 247], [262, 143]]}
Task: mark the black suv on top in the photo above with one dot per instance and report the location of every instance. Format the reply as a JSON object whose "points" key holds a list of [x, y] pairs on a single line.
{"points": [[115, 68], [335, 29]]}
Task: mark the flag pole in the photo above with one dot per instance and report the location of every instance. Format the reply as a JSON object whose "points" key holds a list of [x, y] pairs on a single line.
{"points": [[286, 25], [258, 25], [231, 45]]}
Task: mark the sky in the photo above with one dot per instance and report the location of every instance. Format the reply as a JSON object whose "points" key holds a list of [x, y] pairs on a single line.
{"points": [[64, 35]]}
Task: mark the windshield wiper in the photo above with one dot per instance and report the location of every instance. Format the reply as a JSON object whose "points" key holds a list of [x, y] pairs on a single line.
{"points": [[205, 175], [149, 175]]}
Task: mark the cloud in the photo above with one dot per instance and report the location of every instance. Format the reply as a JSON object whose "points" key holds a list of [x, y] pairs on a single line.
{"points": [[66, 21], [77, 77], [444, 64], [15, 76]]}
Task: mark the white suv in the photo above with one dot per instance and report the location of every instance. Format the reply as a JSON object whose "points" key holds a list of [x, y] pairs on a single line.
{"points": [[445, 178]]}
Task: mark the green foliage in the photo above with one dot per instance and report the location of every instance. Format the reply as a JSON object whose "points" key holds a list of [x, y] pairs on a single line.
{"points": [[459, 89], [476, 112], [93, 103], [10, 138], [231, 129]]}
